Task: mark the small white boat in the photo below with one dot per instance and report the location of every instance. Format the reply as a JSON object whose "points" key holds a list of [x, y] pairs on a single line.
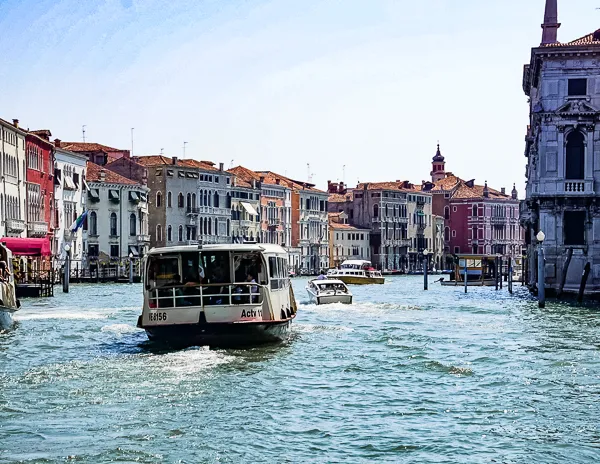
{"points": [[328, 291], [8, 300]]}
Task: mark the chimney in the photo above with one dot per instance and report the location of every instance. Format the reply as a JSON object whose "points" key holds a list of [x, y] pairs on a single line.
{"points": [[329, 189], [551, 24], [145, 177], [57, 143], [253, 183], [16, 123], [342, 190], [174, 161], [262, 178], [278, 181], [503, 191], [102, 175], [220, 166], [486, 191]]}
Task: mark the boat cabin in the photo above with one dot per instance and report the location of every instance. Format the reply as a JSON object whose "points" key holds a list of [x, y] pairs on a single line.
{"points": [[480, 268]]}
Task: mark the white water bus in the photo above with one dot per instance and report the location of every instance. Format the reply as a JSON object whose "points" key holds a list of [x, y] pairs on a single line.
{"points": [[217, 295], [8, 300]]}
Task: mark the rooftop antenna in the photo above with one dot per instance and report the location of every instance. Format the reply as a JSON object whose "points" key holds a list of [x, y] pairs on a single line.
{"points": [[231, 164], [132, 141], [162, 150], [344, 173], [83, 132], [310, 175], [184, 144]]}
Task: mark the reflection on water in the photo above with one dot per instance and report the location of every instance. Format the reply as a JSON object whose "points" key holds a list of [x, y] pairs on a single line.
{"points": [[402, 375]]}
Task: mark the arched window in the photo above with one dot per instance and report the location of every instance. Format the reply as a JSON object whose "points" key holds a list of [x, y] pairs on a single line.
{"points": [[158, 199], [113, 224], [169, 199], [194, 200], [375, 211], [93, 223], [189, 201], [216, 226], [446, 212], [132, 224], [447, 234], [205, 201], [180, 233], [180, 200], [216, 201], [228, 227], [205, 226], [386, 211], [159, 233], [209, 227], [169, 234], [228, 205], [474, 210], [575, 156]]}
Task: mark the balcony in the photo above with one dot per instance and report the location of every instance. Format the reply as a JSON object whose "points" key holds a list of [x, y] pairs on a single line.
{"points": [[38, 229], [246, 224], [498, 220], [273, 222], [143, 238], [193, 210], [15, 226], [577, 187]]}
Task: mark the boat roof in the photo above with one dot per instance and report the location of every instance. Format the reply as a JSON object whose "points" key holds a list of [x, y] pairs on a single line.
{"points": [[327, 281], [239, 247], [356, 261]]}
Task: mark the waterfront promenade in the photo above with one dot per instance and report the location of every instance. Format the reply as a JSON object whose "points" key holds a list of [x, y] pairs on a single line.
{"points": [[403, 375]]}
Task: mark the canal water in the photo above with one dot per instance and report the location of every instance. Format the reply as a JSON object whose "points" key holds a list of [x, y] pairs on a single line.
{"points": [[402, 375]]}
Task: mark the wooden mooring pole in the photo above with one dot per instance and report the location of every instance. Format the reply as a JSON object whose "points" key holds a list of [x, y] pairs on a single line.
{"points": [[510, 275], [584, 278], [563, 276]]}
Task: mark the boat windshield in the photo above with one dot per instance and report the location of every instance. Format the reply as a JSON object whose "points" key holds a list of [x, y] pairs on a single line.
{"points": [[211, 277]]}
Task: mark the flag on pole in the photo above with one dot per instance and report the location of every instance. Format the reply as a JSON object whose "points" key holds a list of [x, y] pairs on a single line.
{"points": [[77, 223]]}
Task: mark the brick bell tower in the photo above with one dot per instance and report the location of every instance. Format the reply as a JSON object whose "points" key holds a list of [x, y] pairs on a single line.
{"points": [[438, 166]]}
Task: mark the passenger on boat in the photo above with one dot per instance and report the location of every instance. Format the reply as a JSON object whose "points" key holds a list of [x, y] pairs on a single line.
{"points": [[322, 276], [4, 273]]}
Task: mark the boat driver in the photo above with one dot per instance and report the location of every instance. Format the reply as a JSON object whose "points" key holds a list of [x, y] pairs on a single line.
{"points": [[4, 273]]}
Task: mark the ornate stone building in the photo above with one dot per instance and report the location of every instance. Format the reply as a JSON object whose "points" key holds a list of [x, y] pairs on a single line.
{"points": [[562, 82]]}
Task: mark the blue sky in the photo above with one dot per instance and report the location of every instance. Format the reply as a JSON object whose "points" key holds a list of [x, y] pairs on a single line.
{"points": [[372, 85]]}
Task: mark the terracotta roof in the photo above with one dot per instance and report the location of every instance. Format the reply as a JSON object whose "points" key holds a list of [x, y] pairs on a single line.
{"points": [[341, 198], [248, 175], [464, 191], [291, 183], [380, 186], [92, 174], [161, 160], [448, 183], [592, 38], [88, 146]]}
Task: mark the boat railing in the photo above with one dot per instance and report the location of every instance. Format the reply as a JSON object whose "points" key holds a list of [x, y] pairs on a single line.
{"points": [[180, 296]]}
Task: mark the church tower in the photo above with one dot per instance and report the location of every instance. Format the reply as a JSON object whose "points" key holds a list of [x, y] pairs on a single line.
{"points": [[438, 166]]}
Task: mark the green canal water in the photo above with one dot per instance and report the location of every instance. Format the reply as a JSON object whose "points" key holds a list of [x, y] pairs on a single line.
{"points": [[402, 375]]}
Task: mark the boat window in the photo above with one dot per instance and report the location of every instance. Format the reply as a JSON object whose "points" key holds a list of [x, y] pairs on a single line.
{"points": [[163, 271], [216, 267]]}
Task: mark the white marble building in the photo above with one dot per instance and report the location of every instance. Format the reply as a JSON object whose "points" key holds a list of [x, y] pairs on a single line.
{"points": [[69, 201], [13, 178], [562, 82], [117, 222]]}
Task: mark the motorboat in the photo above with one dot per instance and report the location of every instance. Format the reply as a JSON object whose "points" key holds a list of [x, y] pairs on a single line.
{"points": [[357, 272], [9, 304], [326, 291], [217, 295]]}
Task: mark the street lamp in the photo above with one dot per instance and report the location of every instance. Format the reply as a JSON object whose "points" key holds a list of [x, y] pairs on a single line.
{"points": [[541, 270], [425, 266]]}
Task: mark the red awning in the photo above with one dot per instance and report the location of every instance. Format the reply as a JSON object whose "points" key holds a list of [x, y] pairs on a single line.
{"points": [[27, 246]]}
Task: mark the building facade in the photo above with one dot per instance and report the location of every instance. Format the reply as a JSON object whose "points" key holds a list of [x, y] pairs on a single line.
{"points": [[477, 219], [563, 156], [245, 207], [381, 207], [347, 241], [117, 220], [13, 176], [69, 201], [40, 184], [96, 152], [420, 226], [190, 201]]}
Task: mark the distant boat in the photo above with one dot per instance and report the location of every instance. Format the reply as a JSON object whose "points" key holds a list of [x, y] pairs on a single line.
{"points": [[328, 291], [357, 272]]}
